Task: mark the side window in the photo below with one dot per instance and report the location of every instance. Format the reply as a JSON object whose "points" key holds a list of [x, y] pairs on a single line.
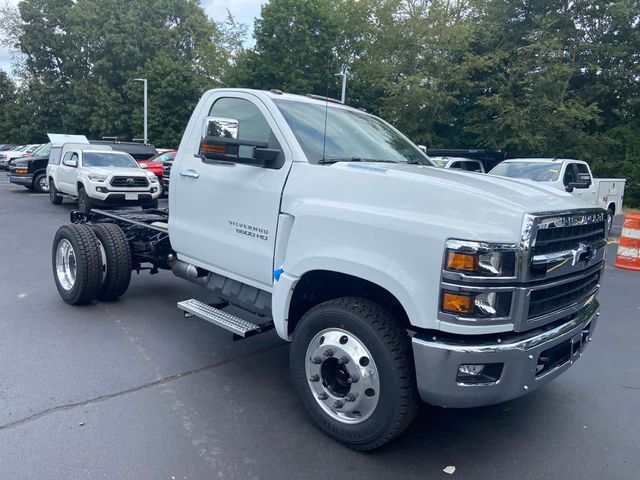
{"points": [[55, 155], [67, 156], [75, 157], [472, 167], [456, 165], [582, 168], [570, 174], [251, 123]]}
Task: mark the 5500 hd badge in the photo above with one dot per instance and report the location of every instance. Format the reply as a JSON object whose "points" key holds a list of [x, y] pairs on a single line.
{"points": [[250, 230]]}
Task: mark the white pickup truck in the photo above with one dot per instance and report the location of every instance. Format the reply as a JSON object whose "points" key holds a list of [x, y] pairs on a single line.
{"points": [[393, 280], [574, 176], [96, 175]]}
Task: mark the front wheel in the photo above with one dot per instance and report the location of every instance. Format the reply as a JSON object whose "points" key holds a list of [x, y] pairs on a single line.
{"points": [[84, 202], [54, 196], [609, 220], [40, 183], [352, 366]]}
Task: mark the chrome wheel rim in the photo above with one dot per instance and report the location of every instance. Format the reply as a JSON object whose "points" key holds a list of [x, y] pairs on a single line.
{"points": [[44, 186], [342, 375], [66, 264], [609, 223], [103, 257]]}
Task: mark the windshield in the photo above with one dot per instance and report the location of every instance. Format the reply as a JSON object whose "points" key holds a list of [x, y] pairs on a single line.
{"points": [[108, 159], [350, 135], [165, 157], [537, 171], [42, 151]]}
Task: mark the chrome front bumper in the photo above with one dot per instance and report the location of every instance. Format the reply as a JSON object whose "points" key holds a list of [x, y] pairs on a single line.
{"points": [[437, 361]]}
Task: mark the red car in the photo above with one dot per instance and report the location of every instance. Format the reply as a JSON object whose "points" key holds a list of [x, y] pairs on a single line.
{"points": [[154, 164]]}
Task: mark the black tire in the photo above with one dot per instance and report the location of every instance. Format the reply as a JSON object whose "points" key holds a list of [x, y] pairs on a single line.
{"points": [[609, 220], [87, 260], [390, 349], [153, 204], [40, 183], [54, 196], [117, 275], [84, 202]]}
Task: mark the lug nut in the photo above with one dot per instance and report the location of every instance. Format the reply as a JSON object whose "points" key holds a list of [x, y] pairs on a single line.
{"points": [[316, 360], [314, 378], [338, 404], [328, 352], [352, 379], [343, 360], [351, 397], [323, 396]]}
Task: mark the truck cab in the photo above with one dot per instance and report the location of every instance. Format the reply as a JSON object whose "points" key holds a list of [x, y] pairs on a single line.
{"points": [[393, 280]]}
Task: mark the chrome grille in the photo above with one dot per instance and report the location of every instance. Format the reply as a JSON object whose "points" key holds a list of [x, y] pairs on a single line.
{"points": [[129, 182], [550, 240], [546, 300]]}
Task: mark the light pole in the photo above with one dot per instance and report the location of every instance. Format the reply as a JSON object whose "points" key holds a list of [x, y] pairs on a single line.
{"points": [[144, 81], [343, 74]]}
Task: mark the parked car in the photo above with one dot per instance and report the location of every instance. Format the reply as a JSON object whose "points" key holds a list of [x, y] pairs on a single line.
{"points": [[16, 152], [31, 171], [392, 281], [96, 175], [158, 164], [154, 164], [467, 164], [7, 146], [573, 176]]}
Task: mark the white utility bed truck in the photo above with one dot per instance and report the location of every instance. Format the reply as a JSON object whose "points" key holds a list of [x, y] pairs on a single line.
{"points": [[573, 176], [393, 280]]}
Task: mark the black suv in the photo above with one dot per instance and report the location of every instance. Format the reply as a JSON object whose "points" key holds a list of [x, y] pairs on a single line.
{"points": [[31, 172]]}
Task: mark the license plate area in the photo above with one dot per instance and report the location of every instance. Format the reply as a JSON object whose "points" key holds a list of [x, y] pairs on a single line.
{"points": [[567, 351], [131, 196]]}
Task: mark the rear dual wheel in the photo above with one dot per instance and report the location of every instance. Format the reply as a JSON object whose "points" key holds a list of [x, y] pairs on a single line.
{"points": [[91, 262], [351, 363]]}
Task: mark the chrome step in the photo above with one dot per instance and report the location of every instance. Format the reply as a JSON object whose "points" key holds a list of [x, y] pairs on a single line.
{"points": [[234, 324]]}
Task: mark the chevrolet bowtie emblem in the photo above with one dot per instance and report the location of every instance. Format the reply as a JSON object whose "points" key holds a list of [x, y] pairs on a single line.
{"points": [[583, 252]]}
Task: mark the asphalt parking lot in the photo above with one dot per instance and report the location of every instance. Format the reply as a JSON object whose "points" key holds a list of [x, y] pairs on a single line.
{"points": [[132, 390]]}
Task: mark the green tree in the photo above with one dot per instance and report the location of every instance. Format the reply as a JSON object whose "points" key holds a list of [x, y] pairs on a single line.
{"points": [[297, 48]]}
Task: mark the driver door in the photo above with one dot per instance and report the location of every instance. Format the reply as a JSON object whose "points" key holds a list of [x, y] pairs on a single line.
{"points": [[225, 214]]}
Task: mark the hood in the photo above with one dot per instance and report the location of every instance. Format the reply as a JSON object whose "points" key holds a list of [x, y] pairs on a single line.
{"points": [[519, 194], [117, 171], [424, 199]]}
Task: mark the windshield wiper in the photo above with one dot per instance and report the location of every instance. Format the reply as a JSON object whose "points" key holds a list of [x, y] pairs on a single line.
{"points": [[354, 159]]}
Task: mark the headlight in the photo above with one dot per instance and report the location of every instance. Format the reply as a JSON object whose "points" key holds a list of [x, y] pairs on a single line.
{"points": [[476, 305], [480, 259], [20, 164], [97, 178], [152, 178]]}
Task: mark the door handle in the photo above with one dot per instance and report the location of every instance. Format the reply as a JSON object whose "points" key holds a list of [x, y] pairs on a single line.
{"points": [[190, 173]]}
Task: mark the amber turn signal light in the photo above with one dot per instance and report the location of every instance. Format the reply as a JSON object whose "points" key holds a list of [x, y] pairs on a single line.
{"points": [[455, 303], [465, 262], [212, 148]]}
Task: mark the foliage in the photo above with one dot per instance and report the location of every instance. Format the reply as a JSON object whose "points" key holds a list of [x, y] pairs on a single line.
{"points": [[533, 77]]}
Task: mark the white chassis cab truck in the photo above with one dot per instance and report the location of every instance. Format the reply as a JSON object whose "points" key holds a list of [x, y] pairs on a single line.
{"points": [[393, 280], [573, 176]]}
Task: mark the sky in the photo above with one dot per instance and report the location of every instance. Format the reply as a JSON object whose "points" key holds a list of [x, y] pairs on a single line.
{"points": [[244, 11]]}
